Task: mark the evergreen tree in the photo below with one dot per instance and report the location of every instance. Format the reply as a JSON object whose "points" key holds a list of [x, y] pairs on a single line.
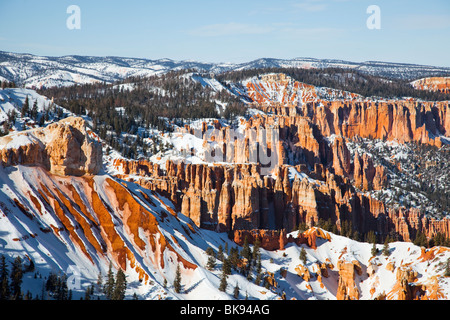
{"points": [[303, 255], [236, 291], [110, 283], [246, 251], [258, 279], [4, 284], [371, 237], [374, 249], [210, 252], [421, 240], [447, 268], [16, 279], [220, 255], [87, 294], [226, 266], [51, 283], [256, 250], [63, 291], [249, 274], [99, 282], [258, 264], [211, 264], [34, 110], [386, 248], [234, 257], [25, 107], [177, 281], [223, 282], [120, 286]]}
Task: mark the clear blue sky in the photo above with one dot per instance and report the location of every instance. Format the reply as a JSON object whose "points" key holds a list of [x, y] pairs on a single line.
{"points": [[231, 31]]}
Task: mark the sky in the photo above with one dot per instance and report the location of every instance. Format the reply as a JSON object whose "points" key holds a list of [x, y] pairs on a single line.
{"points": [[409, 31]]}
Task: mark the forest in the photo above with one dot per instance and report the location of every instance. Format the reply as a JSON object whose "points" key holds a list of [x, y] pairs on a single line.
{"points": [[119, 111], [343, 79], [156, 102]]}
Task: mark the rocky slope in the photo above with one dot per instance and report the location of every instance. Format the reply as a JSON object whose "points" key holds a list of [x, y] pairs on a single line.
{"points": [[62, 148], [299, 159], [313, 173], [67, 220], [440, 84]]}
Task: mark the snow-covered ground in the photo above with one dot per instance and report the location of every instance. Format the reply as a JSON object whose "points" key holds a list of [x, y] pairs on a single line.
{"points": [[27, 235], [33, 231]]}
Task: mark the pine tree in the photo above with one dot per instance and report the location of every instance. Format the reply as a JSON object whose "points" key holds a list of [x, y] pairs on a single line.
{"points": [[223, 282], [99, 282], [16, 279], [447, 268], [51, 283], [386, 248], [371, 237], [63, 291], [421, 240], [303, 255], [236, 291], [25, 107], [87, 294], [110, 283], [4, 284], [234, 257], [120, 286], [34, 110], [177, 281], [226, 266], [210, 252], [220, 255], [246, 251], [256, 250], [374, 250], [258, 264], [258, 279], [211, 264]]}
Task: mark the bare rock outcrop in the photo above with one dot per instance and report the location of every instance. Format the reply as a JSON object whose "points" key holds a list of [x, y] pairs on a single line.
{"points": [[347, 287], [63, 148]]}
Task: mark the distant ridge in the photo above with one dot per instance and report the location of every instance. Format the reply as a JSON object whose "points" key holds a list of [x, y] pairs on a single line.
{"points": [[42, 71]]}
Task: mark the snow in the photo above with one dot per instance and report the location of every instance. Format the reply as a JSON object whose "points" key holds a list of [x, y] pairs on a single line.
{"points": [[293, 174], [209, 82], [330, 139], [36, 71], [56, 252], [16, 141]]}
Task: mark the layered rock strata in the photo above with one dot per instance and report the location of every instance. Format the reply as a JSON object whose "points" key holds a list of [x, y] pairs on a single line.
{"points": [[64, 148], [226, 198]]}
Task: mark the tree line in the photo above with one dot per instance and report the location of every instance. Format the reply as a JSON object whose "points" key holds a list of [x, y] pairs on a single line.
{"points": [[120, 111], [7, 84], [343, 79], [55, 285]]}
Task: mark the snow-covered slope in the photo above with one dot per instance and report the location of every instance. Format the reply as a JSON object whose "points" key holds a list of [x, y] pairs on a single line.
{"points": [[77, 225], [38, 71]]}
